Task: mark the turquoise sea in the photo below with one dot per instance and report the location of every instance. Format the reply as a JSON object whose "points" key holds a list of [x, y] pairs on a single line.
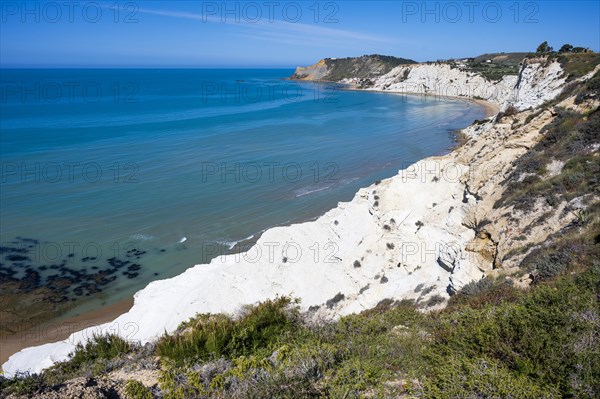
{"points": [[113, 178]]}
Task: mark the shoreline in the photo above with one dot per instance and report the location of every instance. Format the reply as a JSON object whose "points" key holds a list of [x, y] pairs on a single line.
{"points": [[61, 330], [241, 278], [50, 332], [490, 109]]}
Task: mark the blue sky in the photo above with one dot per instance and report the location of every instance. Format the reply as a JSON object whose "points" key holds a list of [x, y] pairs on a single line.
{"points": [[280, 33]]}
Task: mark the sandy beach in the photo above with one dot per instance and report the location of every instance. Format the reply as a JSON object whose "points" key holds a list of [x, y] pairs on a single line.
{"points": [[60, 330], [489, 108]]}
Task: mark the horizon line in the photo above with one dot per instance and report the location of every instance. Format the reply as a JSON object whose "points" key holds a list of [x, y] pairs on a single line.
{"points": [[141, 67]]}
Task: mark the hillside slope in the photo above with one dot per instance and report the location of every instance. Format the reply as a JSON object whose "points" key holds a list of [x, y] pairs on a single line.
{"points": [[365, 67]]}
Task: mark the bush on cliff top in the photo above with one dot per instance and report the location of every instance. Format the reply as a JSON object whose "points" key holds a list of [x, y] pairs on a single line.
{"points": [[212, 336]]}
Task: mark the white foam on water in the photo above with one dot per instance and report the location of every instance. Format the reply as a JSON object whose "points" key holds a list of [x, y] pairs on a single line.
{"points": [[306, 191], [231, 244]]}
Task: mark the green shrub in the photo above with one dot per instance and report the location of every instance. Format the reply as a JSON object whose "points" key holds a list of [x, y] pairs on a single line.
{"points": [[501, 290], [22, 384], [577, 65], [550, 265], [477, 287], [591, 89], [352, 377], [212, 336], [435, 300], [573, 180], [542, 336], [279, 385], [136, 390], [96, 357], [459, 376], [104, 347]]}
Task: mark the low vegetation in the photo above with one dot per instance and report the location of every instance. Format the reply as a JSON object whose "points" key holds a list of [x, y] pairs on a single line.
{"points": [[367, 66], [97, 357], [492, 66], [207, 337], [577, 65], [136, 390], [575, 61], [493, 340]]}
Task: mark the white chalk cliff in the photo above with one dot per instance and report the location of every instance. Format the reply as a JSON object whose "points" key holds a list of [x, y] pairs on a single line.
{"points": [[537, 82], [409, 236]]}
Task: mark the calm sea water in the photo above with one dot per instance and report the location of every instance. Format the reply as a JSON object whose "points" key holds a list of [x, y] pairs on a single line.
{"points": [[140, 174]]}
